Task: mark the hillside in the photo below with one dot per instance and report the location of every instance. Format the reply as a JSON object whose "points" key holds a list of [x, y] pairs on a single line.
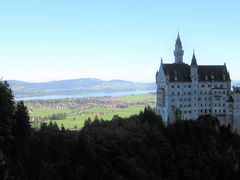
{"points": [[75, 86]]}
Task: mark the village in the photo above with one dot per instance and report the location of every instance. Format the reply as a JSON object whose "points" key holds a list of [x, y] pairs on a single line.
{"points": [[85, 103]]}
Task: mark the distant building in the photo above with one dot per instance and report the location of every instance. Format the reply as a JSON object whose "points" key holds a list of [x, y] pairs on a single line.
{"points": [[189, 91]]}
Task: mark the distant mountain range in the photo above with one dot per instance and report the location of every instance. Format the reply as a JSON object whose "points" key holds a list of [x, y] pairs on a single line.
{"points": [[236, 83], [83, 86], [76, 86]]}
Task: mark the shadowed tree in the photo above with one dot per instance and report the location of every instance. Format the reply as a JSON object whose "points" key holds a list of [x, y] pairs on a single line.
{"points": [[7, 108], [22, 127], [6, 112]]}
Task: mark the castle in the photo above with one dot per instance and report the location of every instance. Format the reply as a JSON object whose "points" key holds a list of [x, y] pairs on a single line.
{"points": [[189, 91]]}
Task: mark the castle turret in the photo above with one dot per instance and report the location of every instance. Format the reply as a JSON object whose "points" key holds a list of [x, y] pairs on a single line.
{"points": [[178, 52], [162, 100], [194, 78], [194, 68]]}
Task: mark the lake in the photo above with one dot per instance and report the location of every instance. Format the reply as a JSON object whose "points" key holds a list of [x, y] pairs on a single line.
{"points": [[96, 94]]}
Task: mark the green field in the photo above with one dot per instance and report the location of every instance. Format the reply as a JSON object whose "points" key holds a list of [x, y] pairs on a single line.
{"points": [[76, 118], [43, 112], [139, 98]]}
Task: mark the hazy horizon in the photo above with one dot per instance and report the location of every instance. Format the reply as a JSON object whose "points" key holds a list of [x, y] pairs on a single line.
{"points": [[89, 78], [78, 79]]}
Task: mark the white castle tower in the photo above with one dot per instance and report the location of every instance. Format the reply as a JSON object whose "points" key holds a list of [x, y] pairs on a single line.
{"points": [[194, 87], [178, 52]]}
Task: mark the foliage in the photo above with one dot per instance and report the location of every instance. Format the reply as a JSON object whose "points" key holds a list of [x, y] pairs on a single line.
{"points": [[7, 107], [58, 116], [22, 127], [137, 147]]}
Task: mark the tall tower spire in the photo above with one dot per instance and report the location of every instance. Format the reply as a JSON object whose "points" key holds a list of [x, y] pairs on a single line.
{"points": [[194, 60], [178, 52]]}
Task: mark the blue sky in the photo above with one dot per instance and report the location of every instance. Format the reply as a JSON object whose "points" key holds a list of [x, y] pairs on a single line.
{"points": [[43, 40]]}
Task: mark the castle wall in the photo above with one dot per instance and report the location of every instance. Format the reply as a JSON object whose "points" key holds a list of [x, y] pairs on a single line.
{"points": [[236, 112]]}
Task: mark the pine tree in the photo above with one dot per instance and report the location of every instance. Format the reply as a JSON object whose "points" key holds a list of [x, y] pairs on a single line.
{"points": [[22, 127], [7, 107]]}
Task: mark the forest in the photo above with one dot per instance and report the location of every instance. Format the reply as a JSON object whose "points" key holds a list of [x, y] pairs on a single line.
{"points": [[138, 147]]}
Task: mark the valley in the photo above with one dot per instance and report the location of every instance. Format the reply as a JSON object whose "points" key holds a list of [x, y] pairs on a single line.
{"points": [[72, 112]]}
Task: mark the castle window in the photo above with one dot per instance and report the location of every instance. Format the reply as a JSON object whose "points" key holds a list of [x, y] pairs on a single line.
{"points": [[172, 93], [215, 111], [189, 86], [221, 85], [178, 93], [189, 93], [178, 86], [209, 99], [189, 111], [172, 86], [205, 110], [209, 85], [203, 85], [224, 110], [210, 110]]}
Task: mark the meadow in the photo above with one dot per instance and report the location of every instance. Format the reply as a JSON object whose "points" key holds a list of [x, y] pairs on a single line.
{"points": [[75, 117]]}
